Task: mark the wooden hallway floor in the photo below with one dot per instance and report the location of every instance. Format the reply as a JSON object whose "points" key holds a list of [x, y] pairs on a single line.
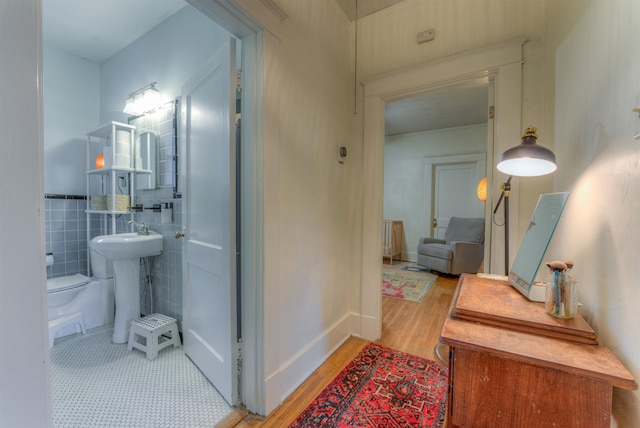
{"points": [[406, 326]]}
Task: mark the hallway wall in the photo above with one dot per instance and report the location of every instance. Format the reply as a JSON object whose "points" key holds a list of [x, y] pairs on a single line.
{"points": [[593, 72], [311, 200]]}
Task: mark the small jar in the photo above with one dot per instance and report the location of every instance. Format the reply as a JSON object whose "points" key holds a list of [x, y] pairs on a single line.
{"points": [[561, 298]]}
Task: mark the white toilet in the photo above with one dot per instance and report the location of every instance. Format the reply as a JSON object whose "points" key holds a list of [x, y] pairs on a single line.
{"points": [[76, 302]]}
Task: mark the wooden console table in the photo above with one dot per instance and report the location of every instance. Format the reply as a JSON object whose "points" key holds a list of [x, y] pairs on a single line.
{"points": [[513, 365]]}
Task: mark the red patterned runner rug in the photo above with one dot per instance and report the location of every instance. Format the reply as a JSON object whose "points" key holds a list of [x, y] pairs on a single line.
{"points": [[381, 387]]}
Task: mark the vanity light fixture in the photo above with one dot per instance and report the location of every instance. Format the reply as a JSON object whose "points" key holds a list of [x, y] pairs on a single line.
{"points": [[143, 100], [526, 160]]}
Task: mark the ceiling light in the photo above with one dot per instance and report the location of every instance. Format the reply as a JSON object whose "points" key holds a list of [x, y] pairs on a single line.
{"points": [[143, 100]]}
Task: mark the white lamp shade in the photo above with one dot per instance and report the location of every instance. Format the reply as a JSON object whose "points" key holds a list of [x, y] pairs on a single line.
{"points": [[526, 167], [527, 159]]}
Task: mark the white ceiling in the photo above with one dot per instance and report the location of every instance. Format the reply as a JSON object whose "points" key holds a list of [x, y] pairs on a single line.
{"points": [[365, 7], [97, 29], [449, 107]]}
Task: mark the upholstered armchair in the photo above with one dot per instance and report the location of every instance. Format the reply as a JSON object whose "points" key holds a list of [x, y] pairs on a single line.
{"points": [[461, 250]]}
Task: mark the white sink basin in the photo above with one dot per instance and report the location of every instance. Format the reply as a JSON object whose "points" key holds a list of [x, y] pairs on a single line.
{"points": [[128, 245], [126, 249]]}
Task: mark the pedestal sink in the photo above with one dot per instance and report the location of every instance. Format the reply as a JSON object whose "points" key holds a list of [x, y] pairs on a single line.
{"points": [[126, 249]]}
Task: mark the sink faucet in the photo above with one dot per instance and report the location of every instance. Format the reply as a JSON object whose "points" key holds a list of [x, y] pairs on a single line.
{"points": [[143, 229]]}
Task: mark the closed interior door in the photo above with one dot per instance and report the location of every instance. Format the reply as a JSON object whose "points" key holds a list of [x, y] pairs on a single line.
{"points": [[209, 262], [454, 194]]}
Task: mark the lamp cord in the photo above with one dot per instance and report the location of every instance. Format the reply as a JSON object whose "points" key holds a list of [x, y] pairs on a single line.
{"points": [[493, 218], [355, 64], [506, 188]]}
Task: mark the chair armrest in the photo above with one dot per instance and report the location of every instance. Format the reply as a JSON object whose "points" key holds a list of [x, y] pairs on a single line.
{"points": [[431, 241], [467, 256], [466, 248]]}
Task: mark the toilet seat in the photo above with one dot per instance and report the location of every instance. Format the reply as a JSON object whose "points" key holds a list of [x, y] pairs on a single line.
{"points": [[64, 283]]}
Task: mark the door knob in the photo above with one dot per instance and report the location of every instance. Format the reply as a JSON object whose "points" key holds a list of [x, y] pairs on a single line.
{"points": [[434, 222], [179, 235]]}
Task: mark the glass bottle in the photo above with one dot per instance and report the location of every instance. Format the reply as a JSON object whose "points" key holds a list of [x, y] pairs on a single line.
{"points": [[561, 297]]}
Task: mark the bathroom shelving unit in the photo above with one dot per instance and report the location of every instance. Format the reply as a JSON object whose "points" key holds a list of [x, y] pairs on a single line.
{"points": [[114, 176]]}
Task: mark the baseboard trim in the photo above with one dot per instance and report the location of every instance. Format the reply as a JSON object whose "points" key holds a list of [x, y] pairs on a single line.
{"points": [[369, 328], [290, 375]]}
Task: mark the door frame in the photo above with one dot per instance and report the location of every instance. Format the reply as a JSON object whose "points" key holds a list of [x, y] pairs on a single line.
{"points": [[232, 18], [501, 63], [256, 24]]}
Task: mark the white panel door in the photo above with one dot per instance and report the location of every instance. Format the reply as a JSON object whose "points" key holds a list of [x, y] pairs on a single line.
{"points": [[454, 194], [209, 269]]}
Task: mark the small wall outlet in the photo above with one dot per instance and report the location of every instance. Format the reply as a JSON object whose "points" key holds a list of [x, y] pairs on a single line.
{"points": [[425, 36]]}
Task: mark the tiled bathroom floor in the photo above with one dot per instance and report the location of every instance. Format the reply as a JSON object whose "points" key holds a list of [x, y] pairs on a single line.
{"points": [[96, 383]]}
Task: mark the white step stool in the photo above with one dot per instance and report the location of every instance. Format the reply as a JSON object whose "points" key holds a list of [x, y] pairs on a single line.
{"points": [[153, 329], [58, 323]]}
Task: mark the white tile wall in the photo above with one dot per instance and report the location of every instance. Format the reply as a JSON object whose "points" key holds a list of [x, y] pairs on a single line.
{"points": [[66, 234]]}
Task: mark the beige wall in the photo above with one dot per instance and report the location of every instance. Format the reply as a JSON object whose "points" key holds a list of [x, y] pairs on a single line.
{"points": [[593, 56], [311, 201]]}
